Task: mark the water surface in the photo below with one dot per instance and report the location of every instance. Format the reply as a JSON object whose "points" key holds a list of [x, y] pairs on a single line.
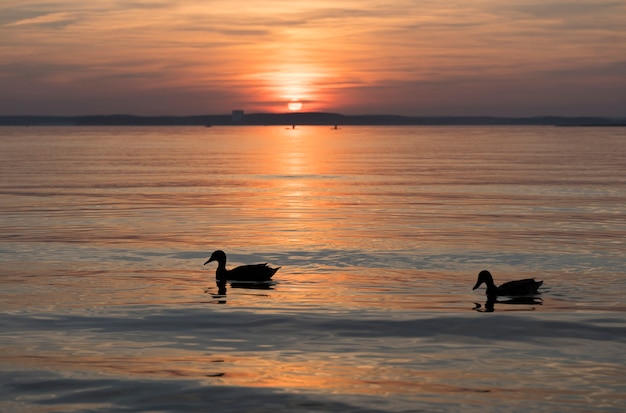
{"points": [[380, 233]]}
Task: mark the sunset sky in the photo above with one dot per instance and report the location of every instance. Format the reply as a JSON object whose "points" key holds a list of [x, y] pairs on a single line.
{"points": [[408, 57]]}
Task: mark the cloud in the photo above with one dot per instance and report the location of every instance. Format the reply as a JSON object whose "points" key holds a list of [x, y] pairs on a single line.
{"points": [[51, 19], [335, 52], [567, 9]]}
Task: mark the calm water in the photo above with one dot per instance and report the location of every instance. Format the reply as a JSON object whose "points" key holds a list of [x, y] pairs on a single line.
{"points": [[380, 232]]}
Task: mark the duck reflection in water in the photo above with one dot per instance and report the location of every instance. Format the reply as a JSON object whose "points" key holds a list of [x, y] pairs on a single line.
{"points": [[493, 300], [221, 288]]}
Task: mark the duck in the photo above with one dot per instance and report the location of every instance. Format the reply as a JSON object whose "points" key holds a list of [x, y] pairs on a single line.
{"points": [[254, 272], [527, 286]]}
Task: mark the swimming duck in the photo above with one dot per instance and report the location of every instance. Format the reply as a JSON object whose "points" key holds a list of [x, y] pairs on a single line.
{"points": [[520, 287], [255, 272]]}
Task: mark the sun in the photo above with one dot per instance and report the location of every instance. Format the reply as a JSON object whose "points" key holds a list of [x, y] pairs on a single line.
{"points": [[294, 105]]}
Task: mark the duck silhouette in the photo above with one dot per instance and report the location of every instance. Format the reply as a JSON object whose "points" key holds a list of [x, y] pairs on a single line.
{"points": [[255, 272], [527, 286]]}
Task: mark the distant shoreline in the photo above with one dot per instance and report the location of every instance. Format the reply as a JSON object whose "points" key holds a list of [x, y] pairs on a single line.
{"points": [[306, 118]]}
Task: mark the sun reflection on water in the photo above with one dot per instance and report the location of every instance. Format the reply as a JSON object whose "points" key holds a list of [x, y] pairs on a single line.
{"points": [[380, 233]]}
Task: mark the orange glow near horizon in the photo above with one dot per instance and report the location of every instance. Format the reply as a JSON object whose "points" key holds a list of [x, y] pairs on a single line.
{"points": [[340, 55], [286, 83]]}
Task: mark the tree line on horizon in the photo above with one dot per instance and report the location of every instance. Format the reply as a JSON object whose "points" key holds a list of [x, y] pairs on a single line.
{"points": [[302, 118]]}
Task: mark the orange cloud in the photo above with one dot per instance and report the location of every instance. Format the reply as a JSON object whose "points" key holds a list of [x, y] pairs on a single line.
{"points": [[367, 56]]}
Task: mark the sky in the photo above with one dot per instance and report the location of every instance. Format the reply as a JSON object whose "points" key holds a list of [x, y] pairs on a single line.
{"points": [[405, 57]]}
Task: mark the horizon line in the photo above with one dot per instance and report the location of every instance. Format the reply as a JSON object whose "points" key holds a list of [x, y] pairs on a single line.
{"points": [[296, 113], [239, 118]]}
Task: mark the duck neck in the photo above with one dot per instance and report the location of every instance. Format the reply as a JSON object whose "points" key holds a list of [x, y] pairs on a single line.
{"points": [[221, 269], [491, 286]]}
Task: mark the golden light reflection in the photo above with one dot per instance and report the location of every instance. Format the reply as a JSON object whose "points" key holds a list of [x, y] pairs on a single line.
{"points": [[300, 164], [351, 374]]}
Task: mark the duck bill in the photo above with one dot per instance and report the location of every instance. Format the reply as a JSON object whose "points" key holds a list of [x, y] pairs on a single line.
{"points": [[477, 285], [208, 261]]}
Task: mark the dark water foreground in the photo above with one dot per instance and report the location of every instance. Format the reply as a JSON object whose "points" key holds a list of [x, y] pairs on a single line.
{"points": [[195, 359]]}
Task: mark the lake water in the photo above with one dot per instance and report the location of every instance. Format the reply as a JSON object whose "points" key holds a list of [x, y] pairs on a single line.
{"points": [[380, 233]]}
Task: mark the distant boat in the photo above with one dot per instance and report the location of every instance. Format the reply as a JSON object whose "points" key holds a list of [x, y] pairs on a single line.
{"points": [[208, 126]]}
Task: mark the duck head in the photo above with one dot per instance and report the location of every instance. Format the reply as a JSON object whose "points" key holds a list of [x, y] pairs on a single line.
{"points": [[484, 277], [219, 256]]}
